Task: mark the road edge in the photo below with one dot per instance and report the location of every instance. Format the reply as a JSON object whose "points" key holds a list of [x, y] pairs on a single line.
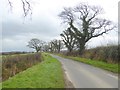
{"points": [[68, 83]]}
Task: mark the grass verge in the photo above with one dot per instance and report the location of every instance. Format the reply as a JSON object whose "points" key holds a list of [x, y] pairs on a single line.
{"points": [[47, 74], [107, 66]]}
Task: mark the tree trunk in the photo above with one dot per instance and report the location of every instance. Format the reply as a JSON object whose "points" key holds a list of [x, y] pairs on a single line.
{"points": [[69, 49], [81, 48], [37, 51]]}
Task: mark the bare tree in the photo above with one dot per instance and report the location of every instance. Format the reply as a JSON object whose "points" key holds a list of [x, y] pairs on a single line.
{"points": [[51, 46], [58, 45], [35, 44], [46, 47], [25, 5], [68, 39], [86, 23], [55, 45]]}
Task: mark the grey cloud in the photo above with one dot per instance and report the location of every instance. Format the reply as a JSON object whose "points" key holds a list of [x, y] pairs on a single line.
{"points": [[16, 34], [12, 28]]}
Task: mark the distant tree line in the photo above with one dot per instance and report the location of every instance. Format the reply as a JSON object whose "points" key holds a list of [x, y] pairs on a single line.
{"points": [[12, 53], [52, 46]]}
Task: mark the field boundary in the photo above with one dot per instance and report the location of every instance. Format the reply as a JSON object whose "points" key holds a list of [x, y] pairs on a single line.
{"points": [[114, 68]]}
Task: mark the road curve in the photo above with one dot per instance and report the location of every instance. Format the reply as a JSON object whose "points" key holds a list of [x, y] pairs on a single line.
{"points": [[86, 76]]}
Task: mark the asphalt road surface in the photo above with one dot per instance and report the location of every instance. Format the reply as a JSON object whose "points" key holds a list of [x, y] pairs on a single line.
{"points": [[87, 76]]}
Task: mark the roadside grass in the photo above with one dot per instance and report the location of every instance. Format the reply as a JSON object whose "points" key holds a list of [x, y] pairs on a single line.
{"points": [[47, 74], [107, 66]]}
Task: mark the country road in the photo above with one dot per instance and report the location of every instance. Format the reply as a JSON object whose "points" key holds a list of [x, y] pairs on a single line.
{"points": [[86, 76]]}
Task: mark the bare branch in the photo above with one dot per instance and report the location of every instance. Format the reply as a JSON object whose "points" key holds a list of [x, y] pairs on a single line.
{"points": [[26, 8], [25, 5], [67, 15], [10, 3], [83, 9]]}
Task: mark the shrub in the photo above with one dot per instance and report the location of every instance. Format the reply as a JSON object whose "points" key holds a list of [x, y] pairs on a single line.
{"points": [[107, 54], [13, 64], [104, 53]]}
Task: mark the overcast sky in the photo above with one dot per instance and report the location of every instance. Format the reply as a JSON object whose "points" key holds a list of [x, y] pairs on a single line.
{"points": [[45, 23]]}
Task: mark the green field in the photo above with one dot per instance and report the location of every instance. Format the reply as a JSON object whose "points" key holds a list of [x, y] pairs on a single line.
{"points": [[96, 63], [47, 74]]}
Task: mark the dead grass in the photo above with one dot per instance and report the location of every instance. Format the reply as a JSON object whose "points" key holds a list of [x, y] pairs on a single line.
{"points": [[13, 64]]}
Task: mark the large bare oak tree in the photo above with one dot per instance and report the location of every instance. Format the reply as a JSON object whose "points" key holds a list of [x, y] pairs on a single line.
{"points": [[86, 23]]}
